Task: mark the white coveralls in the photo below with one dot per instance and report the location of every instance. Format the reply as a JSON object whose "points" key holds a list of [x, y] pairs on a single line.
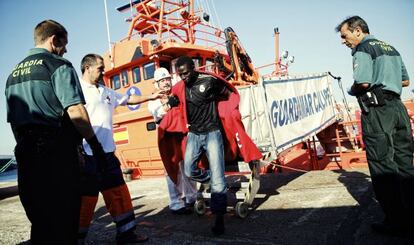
{"points": [[185, 188]]}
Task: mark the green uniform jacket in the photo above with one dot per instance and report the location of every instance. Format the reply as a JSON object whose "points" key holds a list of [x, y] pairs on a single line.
{"points": [[40, 88], [378, 63]]}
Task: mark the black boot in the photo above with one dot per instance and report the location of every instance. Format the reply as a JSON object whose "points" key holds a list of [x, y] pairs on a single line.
{"points": [[129, 237], [218, 228], [393, 229]]}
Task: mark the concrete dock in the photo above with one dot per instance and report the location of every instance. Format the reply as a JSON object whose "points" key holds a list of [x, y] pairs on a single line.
{"points": [[318, 207]]}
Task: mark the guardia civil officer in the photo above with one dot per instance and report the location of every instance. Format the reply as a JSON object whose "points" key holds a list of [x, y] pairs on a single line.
{"points": [[46, 113], [379, 75]]}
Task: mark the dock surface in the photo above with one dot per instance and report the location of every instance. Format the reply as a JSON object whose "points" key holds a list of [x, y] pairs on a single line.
{"points": [[318, 207]]}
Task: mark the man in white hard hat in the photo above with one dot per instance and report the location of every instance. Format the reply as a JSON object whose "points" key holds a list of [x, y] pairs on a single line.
{"points": [[183, 194]]}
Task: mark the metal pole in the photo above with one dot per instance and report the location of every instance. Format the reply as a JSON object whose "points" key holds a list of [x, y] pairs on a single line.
{"points": [[190, 22], [159, 31], [277, 63], [109, 35]]}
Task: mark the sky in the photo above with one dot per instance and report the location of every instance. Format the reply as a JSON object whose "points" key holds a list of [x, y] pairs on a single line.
{"points": [[307, 31]]}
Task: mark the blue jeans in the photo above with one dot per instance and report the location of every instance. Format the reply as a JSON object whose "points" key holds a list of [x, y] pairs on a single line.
{"points": [[212, 145]]}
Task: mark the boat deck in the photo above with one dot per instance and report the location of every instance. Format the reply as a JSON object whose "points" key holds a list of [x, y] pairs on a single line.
{"points": [[317, 207]]}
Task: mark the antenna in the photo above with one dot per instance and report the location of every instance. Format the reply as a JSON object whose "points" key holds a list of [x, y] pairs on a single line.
{"points": [[109, 35], [130, 8]]}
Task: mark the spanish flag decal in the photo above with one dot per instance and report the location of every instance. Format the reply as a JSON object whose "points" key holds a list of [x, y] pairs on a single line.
{"points": [[121, 136]]}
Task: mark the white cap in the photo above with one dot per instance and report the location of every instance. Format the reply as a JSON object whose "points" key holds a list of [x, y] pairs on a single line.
{"points": [[161, 73]]}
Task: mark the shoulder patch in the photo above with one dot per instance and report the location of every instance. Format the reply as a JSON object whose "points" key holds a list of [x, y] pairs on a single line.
{"points": [[377, 48]]}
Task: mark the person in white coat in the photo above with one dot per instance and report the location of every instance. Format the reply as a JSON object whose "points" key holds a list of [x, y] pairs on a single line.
{"points": [[184, 193]]}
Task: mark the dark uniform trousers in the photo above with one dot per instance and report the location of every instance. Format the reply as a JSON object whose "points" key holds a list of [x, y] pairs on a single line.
{"points": [[109, 181], [387, 135], [48, 182]]}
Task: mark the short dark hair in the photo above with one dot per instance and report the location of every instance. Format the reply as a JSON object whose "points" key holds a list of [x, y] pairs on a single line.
{"points": [[354, 22], [48, 28], [184, 60], [89, 60]]}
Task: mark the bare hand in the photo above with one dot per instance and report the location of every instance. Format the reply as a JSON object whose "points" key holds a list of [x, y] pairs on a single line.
{"points": [[158, 94]]}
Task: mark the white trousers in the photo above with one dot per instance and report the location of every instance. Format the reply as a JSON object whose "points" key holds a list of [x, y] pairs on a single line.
{"points": [[185, 191]]}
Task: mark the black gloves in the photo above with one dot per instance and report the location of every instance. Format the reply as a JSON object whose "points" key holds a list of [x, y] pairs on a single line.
{"points": [[98, 152], [173, 101]]}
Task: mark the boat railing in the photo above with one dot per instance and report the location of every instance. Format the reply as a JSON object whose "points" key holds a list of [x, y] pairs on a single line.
{"points": [[205, 35], [166, 20], [209, 67], [282, 71], [144, 163]]}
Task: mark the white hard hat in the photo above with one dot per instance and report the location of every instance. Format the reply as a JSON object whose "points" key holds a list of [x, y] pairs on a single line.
{"points": [[161, 73]]}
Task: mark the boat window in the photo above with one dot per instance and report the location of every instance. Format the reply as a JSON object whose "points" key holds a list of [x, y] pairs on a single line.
{"points": [[197, 62], [124, 75], [136, 74], [209, 65], [115, 82], [165, 64], [173, 62], [149, 69]]}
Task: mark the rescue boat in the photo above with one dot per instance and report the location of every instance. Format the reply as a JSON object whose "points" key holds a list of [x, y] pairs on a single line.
{"points": [[288, 117], [160, 32]]}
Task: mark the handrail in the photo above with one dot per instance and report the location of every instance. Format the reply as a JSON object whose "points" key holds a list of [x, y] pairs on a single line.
{"points": [[10, 162], [220, 42], [149, 157], [169, 19]]}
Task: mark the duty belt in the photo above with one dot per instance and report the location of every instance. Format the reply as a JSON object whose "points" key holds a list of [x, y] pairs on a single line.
{"points": [[36, 130], [375, 97], [389, 95]]}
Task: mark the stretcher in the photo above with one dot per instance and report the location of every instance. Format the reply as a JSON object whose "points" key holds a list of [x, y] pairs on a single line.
{"points": [[243, 183]]}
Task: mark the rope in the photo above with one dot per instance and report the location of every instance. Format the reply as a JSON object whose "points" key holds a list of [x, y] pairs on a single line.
{"points": [[208, 10], [286, 167], [216, 15]]}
